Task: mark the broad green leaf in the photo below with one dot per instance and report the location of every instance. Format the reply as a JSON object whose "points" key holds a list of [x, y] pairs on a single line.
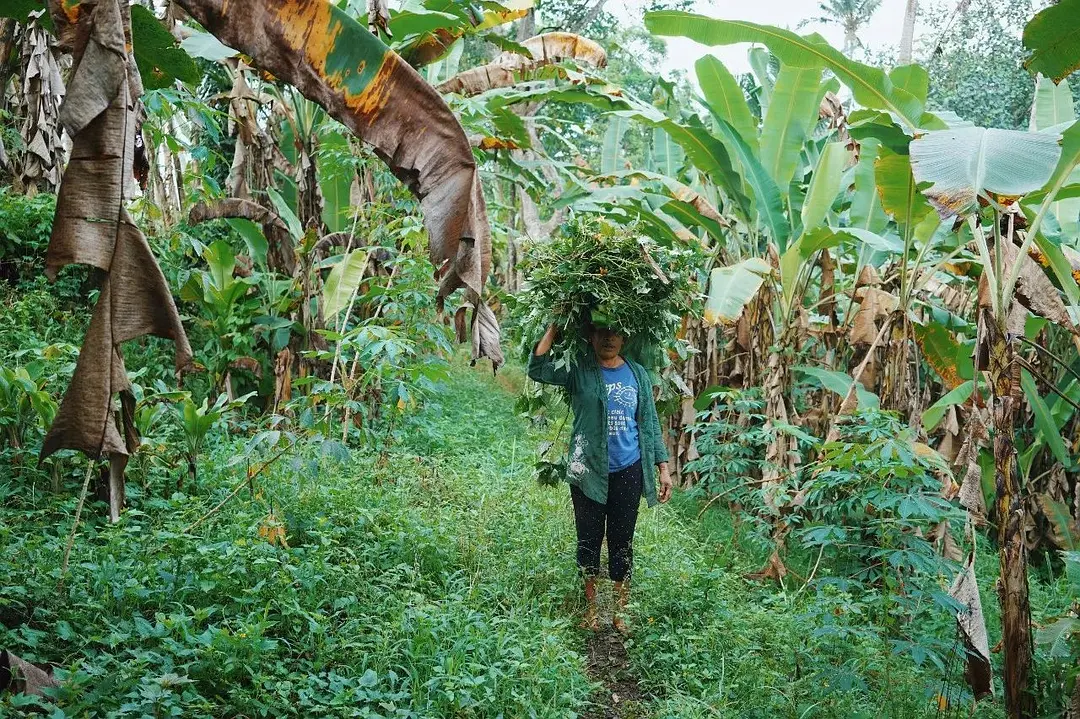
{"points": [[219, 256], [824, 185], [791, 262], [1058, 636], [913, 79], [864, 125], [20, 10], [882, 243], [160, 61], [840, 383], [667, 154], [766, 196], [336, 171], [725, 98], [342, 281], [732, 288], [961, 164], [899, 194], [1045, 427], [612, 144], [1053, 104], [936, 412], [866, 212], [418, 21], [705, 151], [784, 130], [252, 235], [759, 62], [870, 86], [286, 213], [1053, 37]]}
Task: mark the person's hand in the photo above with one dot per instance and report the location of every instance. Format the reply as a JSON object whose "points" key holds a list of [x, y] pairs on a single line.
{"points": [[665, 483]]}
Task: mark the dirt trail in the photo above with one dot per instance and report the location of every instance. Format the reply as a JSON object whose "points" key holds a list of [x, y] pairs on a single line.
{"points": [[620, 697]]}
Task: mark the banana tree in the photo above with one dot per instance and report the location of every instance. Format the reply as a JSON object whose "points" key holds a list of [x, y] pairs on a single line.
{"points": [[974, 174], [330, 58]]}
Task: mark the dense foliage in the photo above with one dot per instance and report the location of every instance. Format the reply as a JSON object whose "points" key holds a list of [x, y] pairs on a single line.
{"points": [[328, 514]]}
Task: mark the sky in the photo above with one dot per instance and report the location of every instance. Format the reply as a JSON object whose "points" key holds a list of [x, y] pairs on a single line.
{"points": [[882, 31]]}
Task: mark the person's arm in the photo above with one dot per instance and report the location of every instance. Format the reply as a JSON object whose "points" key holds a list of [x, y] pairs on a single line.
{"points": [[541, 367], [660, 453]]}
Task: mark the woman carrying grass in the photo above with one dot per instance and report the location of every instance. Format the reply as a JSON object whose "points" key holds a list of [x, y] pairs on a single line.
{"points": [[614, 446]]}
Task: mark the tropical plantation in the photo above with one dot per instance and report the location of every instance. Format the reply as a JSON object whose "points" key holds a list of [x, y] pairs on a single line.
{"points": [[539, 358]]}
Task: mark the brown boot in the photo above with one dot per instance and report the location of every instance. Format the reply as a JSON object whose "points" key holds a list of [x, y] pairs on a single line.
{"points": [[591, 620], [621, 590]]}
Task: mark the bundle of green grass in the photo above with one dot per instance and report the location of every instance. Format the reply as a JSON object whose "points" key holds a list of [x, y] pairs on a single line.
{"points": [[596, 274]]}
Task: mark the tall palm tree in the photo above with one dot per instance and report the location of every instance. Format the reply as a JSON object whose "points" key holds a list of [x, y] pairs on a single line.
{"points": [[907, 36], [848, 14]]}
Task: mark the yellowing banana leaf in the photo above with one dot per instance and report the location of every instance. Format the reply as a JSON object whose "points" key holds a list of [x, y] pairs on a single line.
{"points": [[337, 63], [1051, 36], [1066, 529], [424, 46], [732, 288], [870, 86], [949, 358], [510, 67], [898, 190]]}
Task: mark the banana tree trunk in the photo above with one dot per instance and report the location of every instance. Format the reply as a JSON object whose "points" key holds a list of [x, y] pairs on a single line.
{"points": [[1013, 586]]}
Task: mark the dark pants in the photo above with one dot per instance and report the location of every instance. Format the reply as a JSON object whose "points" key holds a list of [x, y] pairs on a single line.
{"points": [[619, 514]]}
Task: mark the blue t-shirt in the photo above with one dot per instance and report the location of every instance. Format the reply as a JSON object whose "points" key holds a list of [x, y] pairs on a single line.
{"points": [[622, 401]]}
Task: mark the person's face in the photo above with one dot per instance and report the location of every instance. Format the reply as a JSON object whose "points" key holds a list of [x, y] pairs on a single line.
{"points": [[607, 344]]}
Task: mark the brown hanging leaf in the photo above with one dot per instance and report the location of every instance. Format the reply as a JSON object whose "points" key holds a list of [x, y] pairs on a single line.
{"points": [[92, 227], [967, 460], [1036, 292], [972, 624], [335, 62]]}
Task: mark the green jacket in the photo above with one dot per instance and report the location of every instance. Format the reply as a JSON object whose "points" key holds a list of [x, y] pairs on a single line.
{"points": [[587, 464]]}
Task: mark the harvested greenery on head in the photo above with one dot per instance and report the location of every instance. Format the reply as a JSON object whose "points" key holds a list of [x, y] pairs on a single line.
{"points": [[609, 276]]}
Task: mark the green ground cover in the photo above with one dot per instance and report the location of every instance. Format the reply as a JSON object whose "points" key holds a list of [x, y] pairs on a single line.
{"points": [[434, 581]]}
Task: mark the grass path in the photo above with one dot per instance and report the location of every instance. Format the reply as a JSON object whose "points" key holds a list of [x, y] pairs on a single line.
{"points": [[706, 643]]}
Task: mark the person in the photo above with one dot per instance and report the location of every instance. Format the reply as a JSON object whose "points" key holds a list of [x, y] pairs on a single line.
{"points": [[615, 447]]}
